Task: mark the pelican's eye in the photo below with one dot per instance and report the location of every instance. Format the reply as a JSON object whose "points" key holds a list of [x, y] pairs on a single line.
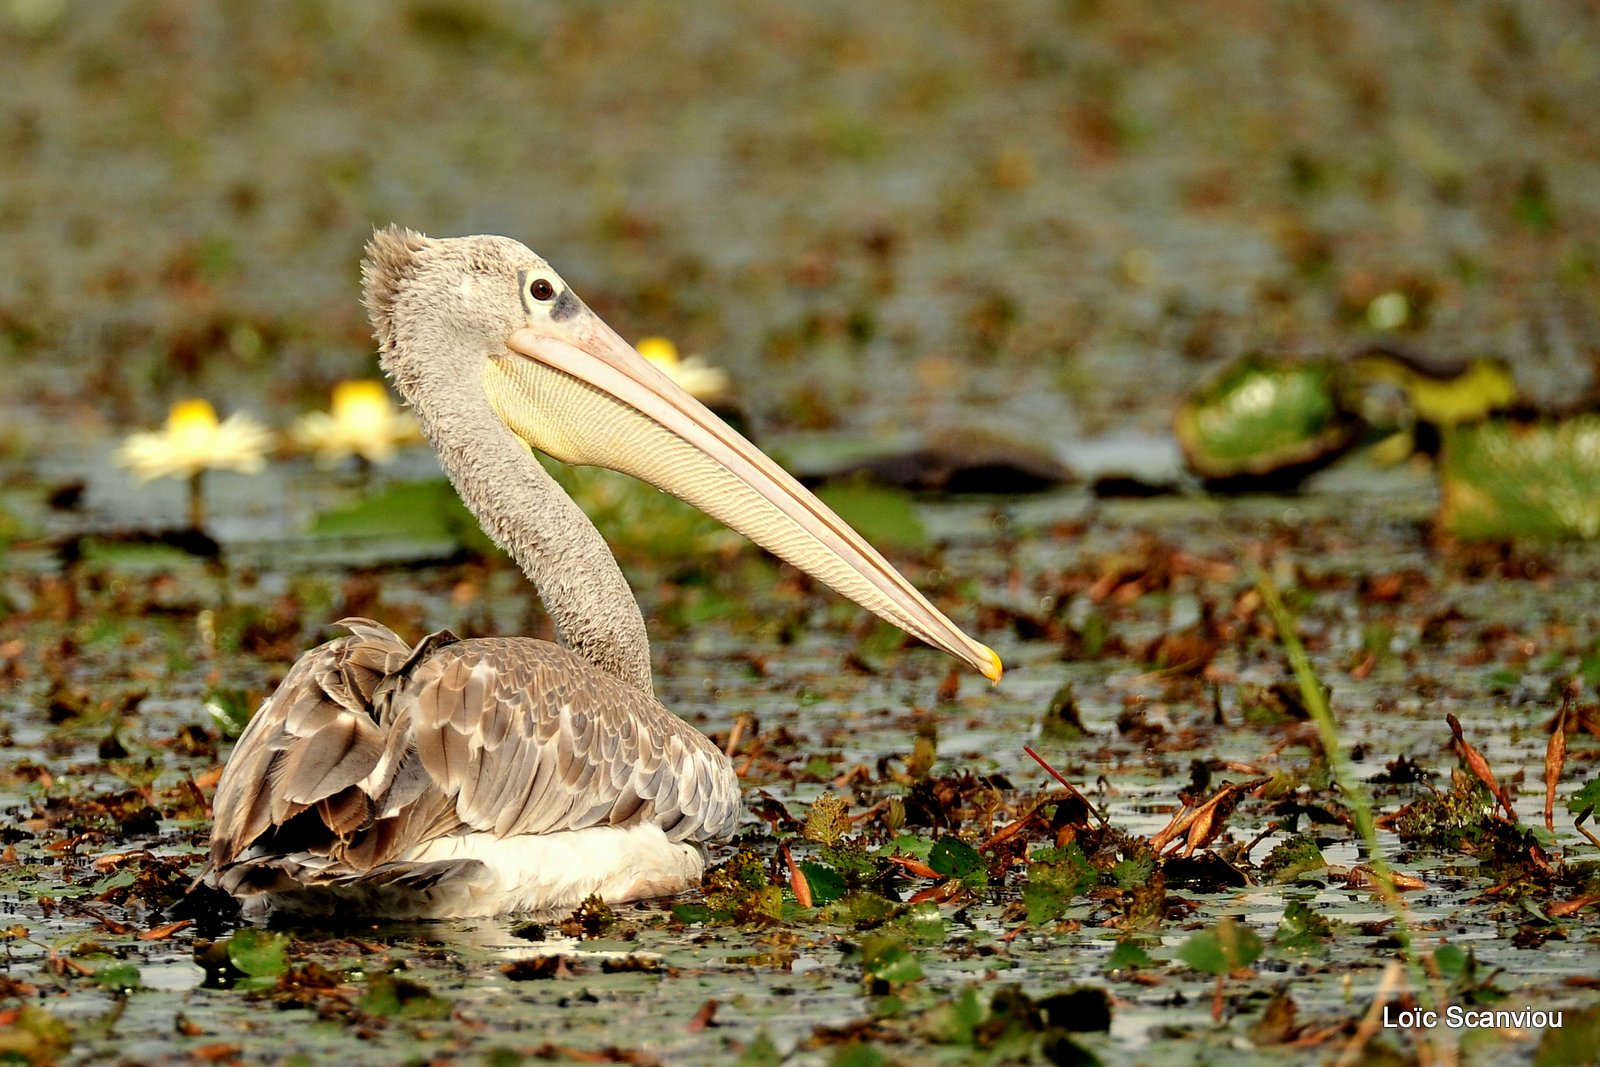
{"points": [[541, 290]]}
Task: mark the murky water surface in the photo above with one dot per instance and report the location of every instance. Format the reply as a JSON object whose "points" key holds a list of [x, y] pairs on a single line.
{"points": [[886, 221]]}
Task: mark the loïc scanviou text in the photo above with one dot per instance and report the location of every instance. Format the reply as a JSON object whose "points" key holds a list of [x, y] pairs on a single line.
{"points": [[1458, 1018]]}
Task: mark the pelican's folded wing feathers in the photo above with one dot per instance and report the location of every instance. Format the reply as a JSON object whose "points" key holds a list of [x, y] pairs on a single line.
{"points": [[370, 749]]}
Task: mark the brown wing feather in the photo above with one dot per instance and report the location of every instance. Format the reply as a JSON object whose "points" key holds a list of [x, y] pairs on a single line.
{"points": [[317, 729], [530, 739], [370, 748]]}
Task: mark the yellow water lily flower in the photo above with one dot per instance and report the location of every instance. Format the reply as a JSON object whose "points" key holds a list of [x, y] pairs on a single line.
{"points": [[362, 421], [697, 377], [194, 440]]}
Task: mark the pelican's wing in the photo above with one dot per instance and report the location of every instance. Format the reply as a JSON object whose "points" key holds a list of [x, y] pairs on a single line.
{"points": [[530, 739], [310, 744], [370, 748]]}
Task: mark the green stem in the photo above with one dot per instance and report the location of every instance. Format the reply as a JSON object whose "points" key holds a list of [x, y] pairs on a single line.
{"points": [[1354, 790]]}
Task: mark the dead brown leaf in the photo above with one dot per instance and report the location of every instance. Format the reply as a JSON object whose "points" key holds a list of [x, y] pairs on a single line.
{"points": [[1555, 760], [165, 930], [1480, 767], [797, 882], [703, 1018]]}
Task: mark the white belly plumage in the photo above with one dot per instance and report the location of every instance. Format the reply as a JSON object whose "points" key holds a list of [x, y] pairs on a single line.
{"points": [[537, 875]]}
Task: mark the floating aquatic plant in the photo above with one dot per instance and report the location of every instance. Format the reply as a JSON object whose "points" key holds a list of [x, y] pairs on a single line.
{"points": [[1263, 424], [192, 442], [1505, 480]]}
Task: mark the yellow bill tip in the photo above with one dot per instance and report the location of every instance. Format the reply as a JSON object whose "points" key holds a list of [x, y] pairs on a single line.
{"points": [[994, 668]]}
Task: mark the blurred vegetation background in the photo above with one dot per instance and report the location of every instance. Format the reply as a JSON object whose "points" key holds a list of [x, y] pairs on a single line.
{"points": [[874, 215]]}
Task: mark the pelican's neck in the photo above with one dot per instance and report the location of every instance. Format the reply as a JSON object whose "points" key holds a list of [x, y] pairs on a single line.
{"points": [[526, 513]]}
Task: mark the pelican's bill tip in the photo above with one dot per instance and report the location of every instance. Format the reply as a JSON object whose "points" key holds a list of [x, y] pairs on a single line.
{"points": [[993, 669]]}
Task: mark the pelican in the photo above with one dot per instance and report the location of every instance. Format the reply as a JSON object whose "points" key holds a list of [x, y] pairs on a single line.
{"points": [[456, 778]]}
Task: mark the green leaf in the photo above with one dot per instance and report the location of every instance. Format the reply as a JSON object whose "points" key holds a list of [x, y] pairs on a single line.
{"points": [[1586, 800], [639, 521], [760, 1052], [954, 858], [1131, 873], [1502, 480], [1053, 882], [918, 924], [231, 709], [1127, 955], [827, 884], [125, 877], [691, 914], [886, 959], [1302, 930], [389, 997], [910, 845], [1259, 416], [857, 1055], [952, 1022], [1451, 961], [851, 859], [118, 978], [862, 909], [1291, 858], [1589, 668], [882, 516], [1062, 720], [1227, 947], [259, 953], [409, 511]]}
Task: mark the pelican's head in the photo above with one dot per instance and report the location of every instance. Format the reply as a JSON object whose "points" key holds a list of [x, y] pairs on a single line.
{"points": [[473, 313]]}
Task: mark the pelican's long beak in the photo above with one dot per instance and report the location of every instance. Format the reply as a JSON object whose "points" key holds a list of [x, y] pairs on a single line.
{"points": [[583, 395]]}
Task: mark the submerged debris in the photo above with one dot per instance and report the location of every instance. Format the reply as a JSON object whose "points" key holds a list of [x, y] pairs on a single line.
{"points": [[959, 461]]}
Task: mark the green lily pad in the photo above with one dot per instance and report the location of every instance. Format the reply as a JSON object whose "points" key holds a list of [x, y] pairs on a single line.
{"points": [[953, 1021], [390, 997], [1223, 949], [1128, 954], [259, 953], [1302, 930], [641, 522], [424, 511], [1055, 877], [1540, 481], [885, 517], [118, 978], [1291, 858], [1586, 799], [887, 960], [1263, 424]]}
